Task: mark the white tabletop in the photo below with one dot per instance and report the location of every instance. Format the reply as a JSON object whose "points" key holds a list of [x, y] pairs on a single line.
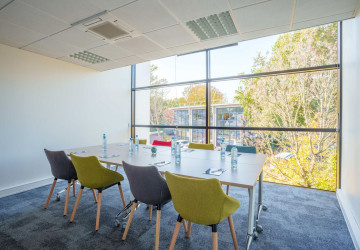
{"points": [[193, 163]]}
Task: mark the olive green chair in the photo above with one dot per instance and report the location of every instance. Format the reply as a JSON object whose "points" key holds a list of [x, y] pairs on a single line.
{"points": [[202, 202], [142, 141], [92, 174], [201, 146]]}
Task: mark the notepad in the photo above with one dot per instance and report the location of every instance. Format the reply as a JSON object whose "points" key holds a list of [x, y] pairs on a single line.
{"points": [[238, 154], [215, 171], [160, 163], [108, 156], [78, 152]]}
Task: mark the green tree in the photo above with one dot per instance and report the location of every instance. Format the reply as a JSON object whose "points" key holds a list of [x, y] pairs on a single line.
{"points": [[304, 100]]}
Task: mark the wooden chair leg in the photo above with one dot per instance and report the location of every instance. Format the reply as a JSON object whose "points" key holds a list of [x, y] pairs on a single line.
{"points": [[67, 197], [227, 189], [93, 192], [214, 241], [98, 210], [74, 188], [185, 226], [116, 168], [176, 233], [150, 211], [129, 220], [157, 234], [214, 237], [51, 191], [122, 194], [76, 203], [189, 230], [233, 234]]}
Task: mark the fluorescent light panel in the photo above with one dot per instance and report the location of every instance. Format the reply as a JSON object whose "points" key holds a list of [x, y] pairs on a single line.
{"points": [[213, 26], [89, 57]]}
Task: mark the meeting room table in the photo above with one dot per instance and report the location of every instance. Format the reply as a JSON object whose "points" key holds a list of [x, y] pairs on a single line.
{"points": [[194, 163]]}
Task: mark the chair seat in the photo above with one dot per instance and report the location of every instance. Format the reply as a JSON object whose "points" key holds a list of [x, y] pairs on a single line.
{"points": [[111, 179], [230, 206]]}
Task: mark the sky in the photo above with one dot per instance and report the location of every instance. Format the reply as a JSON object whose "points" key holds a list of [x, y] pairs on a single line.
{"points": [[228, 61]]}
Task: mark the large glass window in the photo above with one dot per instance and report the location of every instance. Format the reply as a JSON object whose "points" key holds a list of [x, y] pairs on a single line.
{"points": [[278, 94]]}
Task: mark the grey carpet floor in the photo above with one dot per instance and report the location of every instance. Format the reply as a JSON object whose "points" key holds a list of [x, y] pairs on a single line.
{"points": [[296, 218]]}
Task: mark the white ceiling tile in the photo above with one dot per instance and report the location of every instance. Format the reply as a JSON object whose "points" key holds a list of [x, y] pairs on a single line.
{"points": [[3, 3], [69, 11], [321, 21], [139, 45], [235, 4], [31, 18], [74, 60], [155, 55], [52, 47], [265, 15], [79, 38], [110, 4], [116, 64], [217, 42], [172, 36], [265, 32], [152, 15], [111, 51], [17, 36], [187, 10], [310, 9], [187, 48], [129, 60]]}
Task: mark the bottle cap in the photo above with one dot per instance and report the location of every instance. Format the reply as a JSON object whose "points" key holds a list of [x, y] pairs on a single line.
{"points": [[178, 143], [136, 135], [173, 137], [234, 146]]}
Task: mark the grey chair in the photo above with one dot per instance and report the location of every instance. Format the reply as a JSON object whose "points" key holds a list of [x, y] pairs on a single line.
{"points": [[63, 169], [240, 149], [149, 187]]}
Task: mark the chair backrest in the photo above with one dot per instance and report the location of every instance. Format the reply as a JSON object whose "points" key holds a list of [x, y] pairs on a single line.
{"points": [[161, 143], [146, 184], [89, 170], [142, 141], [243, 149], [201, 146], [61, 165], [197, 200]]}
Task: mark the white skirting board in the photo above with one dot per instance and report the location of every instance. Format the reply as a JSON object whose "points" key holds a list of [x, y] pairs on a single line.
{"points": [[25, 187], [351, 223]]}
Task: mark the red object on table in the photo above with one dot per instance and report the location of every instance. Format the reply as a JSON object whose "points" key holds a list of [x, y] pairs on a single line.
{"points": [[161, 143]]}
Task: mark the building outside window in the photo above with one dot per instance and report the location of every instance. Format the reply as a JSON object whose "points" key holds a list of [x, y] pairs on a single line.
{"points": [[277, 93]]}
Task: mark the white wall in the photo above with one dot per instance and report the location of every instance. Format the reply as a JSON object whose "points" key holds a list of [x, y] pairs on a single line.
{"points": [[350, 164], [48, 103]]}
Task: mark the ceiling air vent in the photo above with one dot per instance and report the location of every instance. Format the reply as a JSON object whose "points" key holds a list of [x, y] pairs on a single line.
{"points": [[213, 26], [108, 30], [89, 57]]}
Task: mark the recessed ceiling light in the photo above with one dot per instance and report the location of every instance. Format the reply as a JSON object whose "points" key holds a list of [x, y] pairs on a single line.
{"points": [[213, 26], [89, 57]]}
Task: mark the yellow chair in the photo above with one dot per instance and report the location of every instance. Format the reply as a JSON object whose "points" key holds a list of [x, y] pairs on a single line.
{"points": [[201, 146], [92, 174], [202, 202], [142, 141]]}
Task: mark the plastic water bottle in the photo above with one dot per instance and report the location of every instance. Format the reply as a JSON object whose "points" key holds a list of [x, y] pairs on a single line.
{"points": [[137, 142], [104, 145], [222, 149], [130, 145], [178, 153], [173, 145], [234, 157]]}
